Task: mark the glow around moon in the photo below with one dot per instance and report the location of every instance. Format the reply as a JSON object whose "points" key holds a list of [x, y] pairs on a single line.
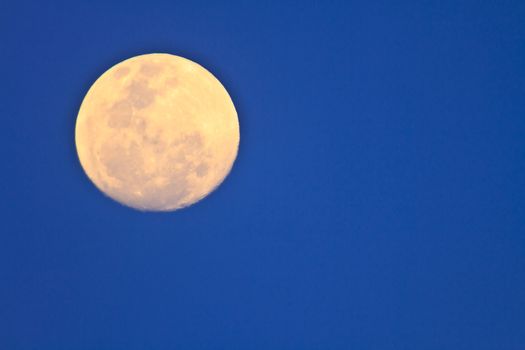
{"points": [[157, 132]]}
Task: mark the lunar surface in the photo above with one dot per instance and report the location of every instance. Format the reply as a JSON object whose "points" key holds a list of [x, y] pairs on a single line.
{"points": [[157, 132]]}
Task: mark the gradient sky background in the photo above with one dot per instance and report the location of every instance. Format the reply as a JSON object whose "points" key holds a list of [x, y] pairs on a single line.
{"points": [[378, 200]]}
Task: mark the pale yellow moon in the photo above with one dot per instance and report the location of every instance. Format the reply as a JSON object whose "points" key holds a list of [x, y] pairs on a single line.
{"points": [[157, 132]]}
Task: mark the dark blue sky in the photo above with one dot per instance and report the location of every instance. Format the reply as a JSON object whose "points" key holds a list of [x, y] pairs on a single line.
{"points": [[378, 200]]}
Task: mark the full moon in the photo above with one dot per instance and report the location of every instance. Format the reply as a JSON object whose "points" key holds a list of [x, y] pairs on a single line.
{"points": [[157, 132]]}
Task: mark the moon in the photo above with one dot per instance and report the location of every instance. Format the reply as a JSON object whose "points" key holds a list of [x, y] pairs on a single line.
{"points": [[157, 132]]}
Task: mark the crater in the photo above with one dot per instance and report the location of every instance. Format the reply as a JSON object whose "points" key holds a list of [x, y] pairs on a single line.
{"points": [[139, 124], [171, 82], [192, 141], [162, 197], [121, 72], [123, 163], [202, 169], [150, 69], [140, 94], [120, 114], [155, 141]]}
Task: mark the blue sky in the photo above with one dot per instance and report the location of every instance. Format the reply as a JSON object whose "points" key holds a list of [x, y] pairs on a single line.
{"points": [[377, 202]]}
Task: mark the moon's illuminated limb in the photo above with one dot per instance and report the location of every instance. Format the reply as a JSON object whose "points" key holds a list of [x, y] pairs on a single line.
{"points": [[157, 132]]}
